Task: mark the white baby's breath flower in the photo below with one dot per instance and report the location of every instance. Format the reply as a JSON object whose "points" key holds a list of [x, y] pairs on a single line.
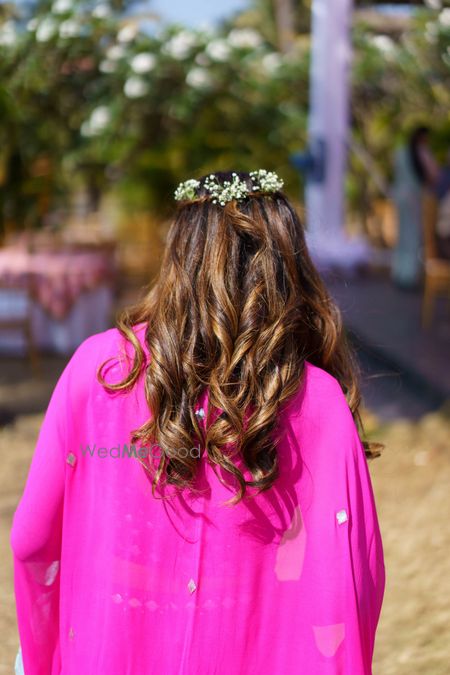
{"points": [[69, 28], [62, 6], [244, 38], [180, 45], [218, 50], [261, 181], [271, 62], [186, 190], [143, 63], [135, 87], [8, 34], [107, 66], [226, 192], [46, 29], [116, 52], [101, 11], [266, 181], [127, 33], [199, 78]]}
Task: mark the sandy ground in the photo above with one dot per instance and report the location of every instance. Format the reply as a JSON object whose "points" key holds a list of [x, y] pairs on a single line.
{"points": [[411, 482]]}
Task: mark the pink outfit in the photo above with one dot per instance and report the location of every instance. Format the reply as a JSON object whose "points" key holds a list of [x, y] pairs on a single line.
{"points": [[111, 581]]}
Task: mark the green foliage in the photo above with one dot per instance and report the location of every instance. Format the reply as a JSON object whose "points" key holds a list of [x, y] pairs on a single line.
{"points": [[86, 96]]}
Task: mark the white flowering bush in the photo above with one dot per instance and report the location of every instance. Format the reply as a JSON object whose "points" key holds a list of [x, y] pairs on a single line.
{"points": [[103, 98], [147, 107]]}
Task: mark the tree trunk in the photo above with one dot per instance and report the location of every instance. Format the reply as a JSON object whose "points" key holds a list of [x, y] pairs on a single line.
{"points": [[284, 17]]}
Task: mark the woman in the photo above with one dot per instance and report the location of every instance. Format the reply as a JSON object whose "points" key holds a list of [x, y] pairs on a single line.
{"points": [[415, 171], [241, 535]]}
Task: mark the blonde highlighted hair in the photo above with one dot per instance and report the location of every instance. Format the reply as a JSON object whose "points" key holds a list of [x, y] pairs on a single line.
{"points": [[237, 307]]}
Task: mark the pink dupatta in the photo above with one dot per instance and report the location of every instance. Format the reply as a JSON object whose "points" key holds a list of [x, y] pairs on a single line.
{"points": [[111, 581]]}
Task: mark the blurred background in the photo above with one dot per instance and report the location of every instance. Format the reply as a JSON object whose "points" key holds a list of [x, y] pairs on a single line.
{"points": [[106, 106]]}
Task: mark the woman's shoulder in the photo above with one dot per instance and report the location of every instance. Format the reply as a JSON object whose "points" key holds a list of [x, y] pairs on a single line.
{"points": [[106, 344], [109, 351], [95, 346], [320, 381], [319, 421], [319, 397], [318, 376]]}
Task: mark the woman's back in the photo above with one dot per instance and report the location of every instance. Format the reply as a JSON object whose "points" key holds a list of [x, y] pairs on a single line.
{"points": [[110, 579], [255, 550]]}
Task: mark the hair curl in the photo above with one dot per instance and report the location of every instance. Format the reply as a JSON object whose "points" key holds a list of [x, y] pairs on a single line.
{"points": [[237, 307]]}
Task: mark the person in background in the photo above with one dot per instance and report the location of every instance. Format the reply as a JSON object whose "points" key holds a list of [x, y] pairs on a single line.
{"points": [[443, 216], [416, 172]]}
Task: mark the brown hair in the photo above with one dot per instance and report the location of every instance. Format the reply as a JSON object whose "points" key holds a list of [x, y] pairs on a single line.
{"points": [[237, 307]]}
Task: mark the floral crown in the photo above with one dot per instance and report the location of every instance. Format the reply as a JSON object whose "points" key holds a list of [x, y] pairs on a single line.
{"points": [[236, 188]]}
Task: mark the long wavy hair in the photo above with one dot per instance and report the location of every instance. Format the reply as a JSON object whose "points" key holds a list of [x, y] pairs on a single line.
{"points": [[237, 307]]}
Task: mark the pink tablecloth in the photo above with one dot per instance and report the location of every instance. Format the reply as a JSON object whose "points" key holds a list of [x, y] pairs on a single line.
{"points": [[67, 296], [55, 279]]}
